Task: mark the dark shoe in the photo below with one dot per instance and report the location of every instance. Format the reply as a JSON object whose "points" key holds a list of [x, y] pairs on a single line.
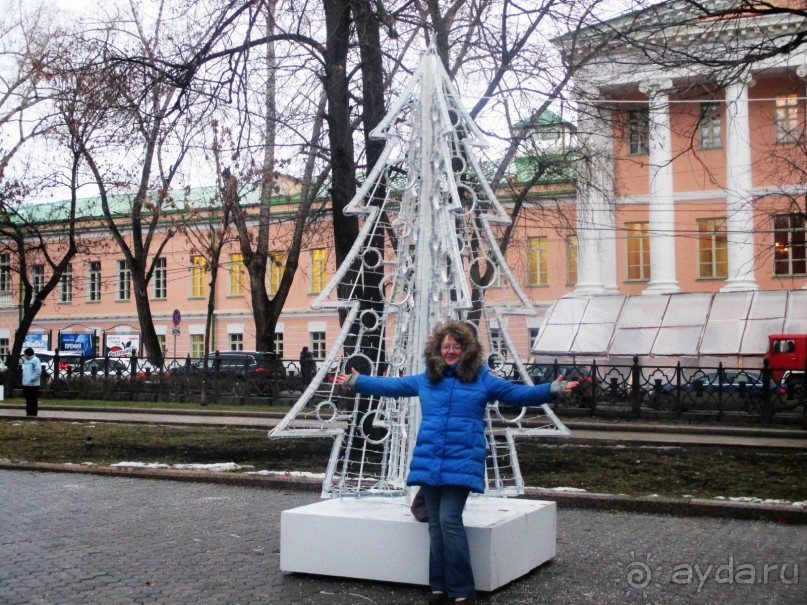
{"points": [[438, 598]]}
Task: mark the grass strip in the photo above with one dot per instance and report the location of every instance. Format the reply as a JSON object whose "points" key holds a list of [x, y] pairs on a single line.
{"points": [[699, 471]]}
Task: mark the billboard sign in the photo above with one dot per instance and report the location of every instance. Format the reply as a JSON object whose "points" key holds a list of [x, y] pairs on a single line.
{"points": [[82, 343], [38, 342], [122, 345]]}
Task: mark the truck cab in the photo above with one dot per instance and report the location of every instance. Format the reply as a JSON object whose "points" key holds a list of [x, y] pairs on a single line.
{"points": [[787, 356]]}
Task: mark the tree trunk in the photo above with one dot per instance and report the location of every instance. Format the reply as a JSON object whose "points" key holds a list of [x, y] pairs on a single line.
{"points": [[340, 134], [148, 334]]}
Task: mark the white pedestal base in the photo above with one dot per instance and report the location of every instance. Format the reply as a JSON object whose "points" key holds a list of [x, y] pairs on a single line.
{"points": [[378, 539]]}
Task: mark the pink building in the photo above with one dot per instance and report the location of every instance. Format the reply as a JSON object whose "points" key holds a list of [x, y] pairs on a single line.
{"points": [[695, 184]]}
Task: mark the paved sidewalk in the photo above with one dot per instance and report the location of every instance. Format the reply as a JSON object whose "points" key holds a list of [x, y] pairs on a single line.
{"points": [[86, 539], [582, 431]]}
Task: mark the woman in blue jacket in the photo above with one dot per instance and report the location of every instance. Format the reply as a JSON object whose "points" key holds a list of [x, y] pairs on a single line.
{"points": [[449, 457]]}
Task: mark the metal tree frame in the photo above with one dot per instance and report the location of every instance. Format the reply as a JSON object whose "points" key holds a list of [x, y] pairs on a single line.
{"points": [[427, 239]]}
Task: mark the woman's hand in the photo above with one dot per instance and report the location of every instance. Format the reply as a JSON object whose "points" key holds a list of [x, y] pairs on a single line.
{"points": [[563, 388], [342, 378]]}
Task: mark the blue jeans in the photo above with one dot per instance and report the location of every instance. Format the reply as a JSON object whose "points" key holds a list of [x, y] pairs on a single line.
{"points": [[449, 556]]}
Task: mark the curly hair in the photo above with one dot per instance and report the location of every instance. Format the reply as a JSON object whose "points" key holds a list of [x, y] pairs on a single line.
{"points": [[470, 359]]}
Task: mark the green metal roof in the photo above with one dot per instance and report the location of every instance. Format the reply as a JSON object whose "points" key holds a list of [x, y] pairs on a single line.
{"points": [[198, 198], [558, 168]]}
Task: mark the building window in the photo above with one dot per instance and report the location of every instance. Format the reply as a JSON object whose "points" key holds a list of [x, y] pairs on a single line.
{"points": [[319, 276], [787, 119], [237, 271], [710, 126], [789, 244], [236, 342], [197, 346], [571, 260], [5, 273], [198, 273], [277, 264], [160, 278], [94, 281], [124, 280], [161, 343], [318, 345], [37, 278], [66, 285], [4, 348], [638, 243], [533, 336], [497, 344], [537, 261], [713, 256], [279, 344], [638, 131]]}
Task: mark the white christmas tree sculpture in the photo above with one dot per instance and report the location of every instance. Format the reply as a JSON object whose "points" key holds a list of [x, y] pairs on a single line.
{"points": [[427, 246]]}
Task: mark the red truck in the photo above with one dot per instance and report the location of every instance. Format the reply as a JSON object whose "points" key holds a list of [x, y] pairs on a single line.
{"points": [[787, 357]]}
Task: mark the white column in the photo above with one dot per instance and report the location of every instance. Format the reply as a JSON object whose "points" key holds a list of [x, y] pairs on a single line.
{"points": [[608, 262], [596, 253], [662, 203], [739, 202]]}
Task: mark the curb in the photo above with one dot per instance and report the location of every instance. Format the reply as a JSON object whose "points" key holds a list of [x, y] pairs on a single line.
{"points": [[688, 429], [657, 505], [679, 507], [649, 427], [166, 411]]}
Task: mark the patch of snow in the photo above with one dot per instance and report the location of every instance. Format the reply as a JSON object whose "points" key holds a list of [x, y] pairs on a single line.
{"points": [[216, 467], [752, 500], [140, 465], [289, 474]]}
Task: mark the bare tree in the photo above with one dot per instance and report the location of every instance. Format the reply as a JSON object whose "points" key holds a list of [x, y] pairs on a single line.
{"points": [[29, 239], [136, 150]]}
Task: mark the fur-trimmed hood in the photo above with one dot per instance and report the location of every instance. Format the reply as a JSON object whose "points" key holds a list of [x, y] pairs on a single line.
{"points": [[470, 360]]}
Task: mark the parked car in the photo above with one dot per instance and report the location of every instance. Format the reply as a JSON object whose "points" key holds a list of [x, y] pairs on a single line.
{"points": [[107, 366], [739, 391], [67, 362], [547, 372], [260, 368], [787, 360], [146, 369]]}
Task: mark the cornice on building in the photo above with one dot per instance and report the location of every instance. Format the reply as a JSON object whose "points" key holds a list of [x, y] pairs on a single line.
{"points": [[664, 41]]}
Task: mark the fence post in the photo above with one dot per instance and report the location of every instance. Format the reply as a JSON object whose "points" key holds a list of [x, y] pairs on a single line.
{"points": [[766, 413], [679, 376], [721, 374], [133, 376], [593, 375], [635, 387]]}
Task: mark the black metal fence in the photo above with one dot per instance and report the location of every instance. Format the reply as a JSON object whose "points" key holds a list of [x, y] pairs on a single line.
{"points": [[716, 393], [721, 394]]}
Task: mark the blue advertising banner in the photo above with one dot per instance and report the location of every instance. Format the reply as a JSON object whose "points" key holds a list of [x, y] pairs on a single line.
{"points": [[78, 343], [38, 342]]}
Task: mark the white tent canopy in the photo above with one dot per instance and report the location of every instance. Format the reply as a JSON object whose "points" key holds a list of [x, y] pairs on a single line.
{"points": [[694, 326]]}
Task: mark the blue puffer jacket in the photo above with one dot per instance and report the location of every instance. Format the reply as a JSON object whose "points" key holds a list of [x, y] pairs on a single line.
{"points": [[451, 446]]}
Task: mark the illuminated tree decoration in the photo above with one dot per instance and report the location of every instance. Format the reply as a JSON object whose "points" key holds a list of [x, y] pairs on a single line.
{"points": [[428, 247]]}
